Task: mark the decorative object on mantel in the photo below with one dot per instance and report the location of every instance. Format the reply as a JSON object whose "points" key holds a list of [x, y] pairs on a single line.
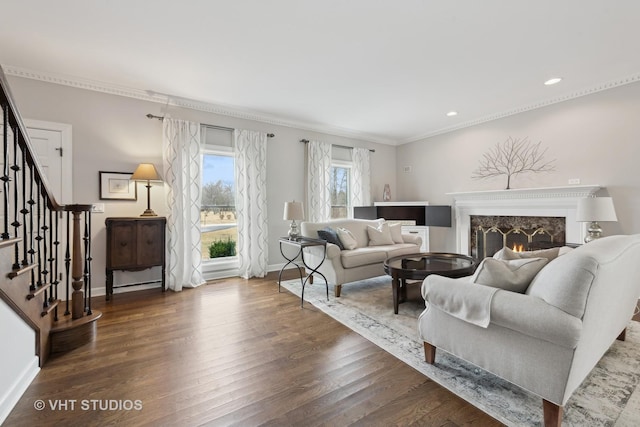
{"points": [[386, 193], [593, 210], [512, 157], [146, 172], [293, 211]]}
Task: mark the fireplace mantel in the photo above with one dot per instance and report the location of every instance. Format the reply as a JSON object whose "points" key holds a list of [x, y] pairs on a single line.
{"points": [[549, 201]]}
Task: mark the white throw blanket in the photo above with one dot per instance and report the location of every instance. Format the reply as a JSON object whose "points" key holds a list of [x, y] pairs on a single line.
{"points": [[460, 298]]}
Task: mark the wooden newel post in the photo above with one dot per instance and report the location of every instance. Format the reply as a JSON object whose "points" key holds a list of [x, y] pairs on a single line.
{"points": [[77, 297]]}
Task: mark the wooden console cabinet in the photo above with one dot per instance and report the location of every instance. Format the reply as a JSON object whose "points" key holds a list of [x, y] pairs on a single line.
{"points": [[134, 244]]}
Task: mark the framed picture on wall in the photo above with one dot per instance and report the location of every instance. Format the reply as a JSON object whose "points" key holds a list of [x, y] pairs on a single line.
{"points": [[117, 186]]}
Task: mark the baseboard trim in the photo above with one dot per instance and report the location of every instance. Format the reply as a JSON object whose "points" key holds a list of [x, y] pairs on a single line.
{"points": [[13, 395]]}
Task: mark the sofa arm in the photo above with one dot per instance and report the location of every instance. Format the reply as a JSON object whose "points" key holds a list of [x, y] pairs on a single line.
{"points": [[412, 238], [534, 317], [333, 251], [484, 306]]}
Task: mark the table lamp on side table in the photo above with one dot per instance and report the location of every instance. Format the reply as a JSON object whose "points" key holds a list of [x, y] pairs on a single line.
{"points": [[592, 210], [293, 211]]}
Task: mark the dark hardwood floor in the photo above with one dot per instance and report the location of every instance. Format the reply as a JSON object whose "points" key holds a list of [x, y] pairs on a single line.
{"points": [[233, 352]]}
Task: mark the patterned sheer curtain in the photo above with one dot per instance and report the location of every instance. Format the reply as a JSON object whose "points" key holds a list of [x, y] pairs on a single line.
{"points": [[318, 181], [182, 170], [361, 177], [250, 150]]}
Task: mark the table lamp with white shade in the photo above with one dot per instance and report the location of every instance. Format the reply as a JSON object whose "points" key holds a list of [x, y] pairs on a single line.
{"points": [[594, 210], [293, 211], [147, 172]]}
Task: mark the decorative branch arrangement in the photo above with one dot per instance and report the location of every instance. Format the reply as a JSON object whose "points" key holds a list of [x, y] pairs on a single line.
{"points": [[512, 157]]}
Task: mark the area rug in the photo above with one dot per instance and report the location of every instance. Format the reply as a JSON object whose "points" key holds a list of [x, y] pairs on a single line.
{"points": [[607, 397]]}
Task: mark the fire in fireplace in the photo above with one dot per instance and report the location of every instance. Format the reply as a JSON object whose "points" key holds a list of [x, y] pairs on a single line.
{"points": [[489, 234]]}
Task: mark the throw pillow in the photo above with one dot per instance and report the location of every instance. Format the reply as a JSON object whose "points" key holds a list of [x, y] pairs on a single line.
{"points": [[396, 233], [550, 254], [347, 239], [512, 275], [379, 236], [330, 235]]}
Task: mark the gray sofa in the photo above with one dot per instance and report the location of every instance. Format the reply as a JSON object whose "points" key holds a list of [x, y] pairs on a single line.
{"points": [[363, 262], [548, 338]]}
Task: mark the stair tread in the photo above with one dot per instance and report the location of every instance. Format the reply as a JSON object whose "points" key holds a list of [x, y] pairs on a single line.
{"points": [[16, 273], [38, 291], [50, 308], [9, 242], [69, 323]]}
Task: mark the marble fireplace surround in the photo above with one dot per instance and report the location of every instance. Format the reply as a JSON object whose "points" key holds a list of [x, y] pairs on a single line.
{"points": [[549, 201]]}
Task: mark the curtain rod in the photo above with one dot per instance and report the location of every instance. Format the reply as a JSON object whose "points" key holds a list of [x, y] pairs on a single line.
{"points": [[306, 141], [151, 116]]}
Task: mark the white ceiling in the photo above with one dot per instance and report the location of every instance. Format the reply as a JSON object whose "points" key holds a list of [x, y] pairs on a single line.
{"points": [[382, 70]]}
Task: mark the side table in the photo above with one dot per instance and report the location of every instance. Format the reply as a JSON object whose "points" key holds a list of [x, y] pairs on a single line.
{"points": [[134, 244], [300, 244]]}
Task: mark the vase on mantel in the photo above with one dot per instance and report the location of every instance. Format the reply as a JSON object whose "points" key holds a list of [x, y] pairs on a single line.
{"points": [[386, 193]]}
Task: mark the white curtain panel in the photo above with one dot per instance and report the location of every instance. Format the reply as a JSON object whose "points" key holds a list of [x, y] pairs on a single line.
{"points": [[250, 150], [318, 181], [182, 173], [361, 177]]}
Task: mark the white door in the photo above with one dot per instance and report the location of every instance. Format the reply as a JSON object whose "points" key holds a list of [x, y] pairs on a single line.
{"points": [[52, 144]]}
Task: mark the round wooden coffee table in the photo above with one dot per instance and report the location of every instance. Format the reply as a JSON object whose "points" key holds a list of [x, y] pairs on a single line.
{"points": [[419, 266]]}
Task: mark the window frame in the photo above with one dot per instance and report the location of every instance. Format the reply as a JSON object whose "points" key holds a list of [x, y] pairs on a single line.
{"points": [[345, 164], [216, 268]]}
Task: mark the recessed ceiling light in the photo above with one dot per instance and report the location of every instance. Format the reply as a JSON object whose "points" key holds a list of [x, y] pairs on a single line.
{"points": [[553, 81], [452, 113]]}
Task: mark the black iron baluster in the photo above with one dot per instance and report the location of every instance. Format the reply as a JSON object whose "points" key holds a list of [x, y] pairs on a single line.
{"points": [[5, 172], [32, 251], [55, 255], [24, 211], [45, 242], [67, 264], [15, 224]]}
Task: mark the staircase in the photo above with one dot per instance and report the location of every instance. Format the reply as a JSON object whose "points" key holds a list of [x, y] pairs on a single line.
{"points": [[45, 247]]}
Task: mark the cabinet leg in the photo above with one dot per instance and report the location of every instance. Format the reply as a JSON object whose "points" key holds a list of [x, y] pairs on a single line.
{"points": [[109, 291], [164, 288]]}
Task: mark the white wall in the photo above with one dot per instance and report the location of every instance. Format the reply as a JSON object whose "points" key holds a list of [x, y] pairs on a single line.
{"points": [[17, 358], [595, 138], [111, 133]]}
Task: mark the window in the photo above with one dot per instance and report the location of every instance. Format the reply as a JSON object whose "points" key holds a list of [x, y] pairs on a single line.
{"points": [[340, 190], [218, 212]]}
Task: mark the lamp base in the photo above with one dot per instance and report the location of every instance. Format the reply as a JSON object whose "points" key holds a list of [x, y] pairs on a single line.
{"points": [[149, 212], [595, 232], [293, 230]]}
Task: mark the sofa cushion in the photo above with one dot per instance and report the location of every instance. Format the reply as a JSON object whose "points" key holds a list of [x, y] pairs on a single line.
{"points": [[331, 236], [401, 249], [396, 233], [347, 238], [363, 256], [511, 275], [380, 235], [565, 282]]}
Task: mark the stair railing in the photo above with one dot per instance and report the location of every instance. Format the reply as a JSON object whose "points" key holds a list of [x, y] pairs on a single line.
{"points": [[31, 214]]}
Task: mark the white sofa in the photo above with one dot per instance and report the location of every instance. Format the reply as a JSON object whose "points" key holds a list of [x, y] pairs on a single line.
{"points": [[363, 262], [547, 339]]}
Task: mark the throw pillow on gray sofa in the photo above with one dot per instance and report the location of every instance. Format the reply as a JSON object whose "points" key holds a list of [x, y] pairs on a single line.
{"points": [[331, 236]]}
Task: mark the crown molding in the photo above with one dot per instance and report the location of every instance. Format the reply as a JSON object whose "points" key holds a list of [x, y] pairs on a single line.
{"points": [[165, 99], [566, 97]]}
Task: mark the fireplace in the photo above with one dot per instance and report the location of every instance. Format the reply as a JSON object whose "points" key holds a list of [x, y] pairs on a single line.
{"points": [[490, 233], [553, 202]]}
